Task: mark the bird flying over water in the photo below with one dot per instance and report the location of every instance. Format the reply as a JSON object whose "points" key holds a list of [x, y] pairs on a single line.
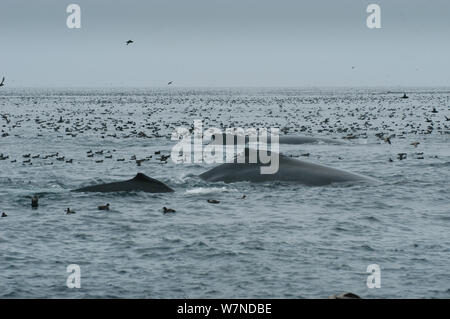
{"points": [[170, 83], [3, 81], [6, 118], [129, 42]]}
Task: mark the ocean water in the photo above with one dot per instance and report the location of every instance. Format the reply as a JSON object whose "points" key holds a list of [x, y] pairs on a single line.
{"points": [[284, 240]]}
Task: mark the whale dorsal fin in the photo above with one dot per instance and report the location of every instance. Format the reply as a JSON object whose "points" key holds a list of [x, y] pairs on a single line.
{"points": [[143, 177]]}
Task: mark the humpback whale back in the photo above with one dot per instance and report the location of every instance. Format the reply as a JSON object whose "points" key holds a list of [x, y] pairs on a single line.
{"points": [[290, 169], [282, 139], [140, 183]]}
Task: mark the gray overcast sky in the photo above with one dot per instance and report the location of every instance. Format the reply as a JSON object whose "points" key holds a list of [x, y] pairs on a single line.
{"points": [[225, 43]]}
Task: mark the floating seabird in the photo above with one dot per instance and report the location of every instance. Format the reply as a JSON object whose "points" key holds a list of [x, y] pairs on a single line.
{"points": [[34, 202], [105, 207], [129, 42], [168, 210], [3, 82], [346, 295]]}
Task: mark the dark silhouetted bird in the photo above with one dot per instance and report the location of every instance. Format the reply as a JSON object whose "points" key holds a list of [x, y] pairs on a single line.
{"points": [[35, 202], [346, 295], [105, 207], [168, 210], [129, 42]]}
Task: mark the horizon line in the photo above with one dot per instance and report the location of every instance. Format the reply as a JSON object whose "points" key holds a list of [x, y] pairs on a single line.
{"points": [[228, 87]]}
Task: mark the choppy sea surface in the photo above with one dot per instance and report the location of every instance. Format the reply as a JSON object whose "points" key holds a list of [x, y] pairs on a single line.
{"points": [[284, 240]]}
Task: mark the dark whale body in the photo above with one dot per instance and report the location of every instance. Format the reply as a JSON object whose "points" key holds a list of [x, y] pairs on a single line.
{"points": [[140, 183], [282, 139], [290, 169], [292, 139]]}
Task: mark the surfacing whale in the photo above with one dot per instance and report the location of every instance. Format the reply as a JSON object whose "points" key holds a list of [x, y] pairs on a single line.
{"points": [[282, 139], [290, 169], [140, 183], [294, 139]]}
